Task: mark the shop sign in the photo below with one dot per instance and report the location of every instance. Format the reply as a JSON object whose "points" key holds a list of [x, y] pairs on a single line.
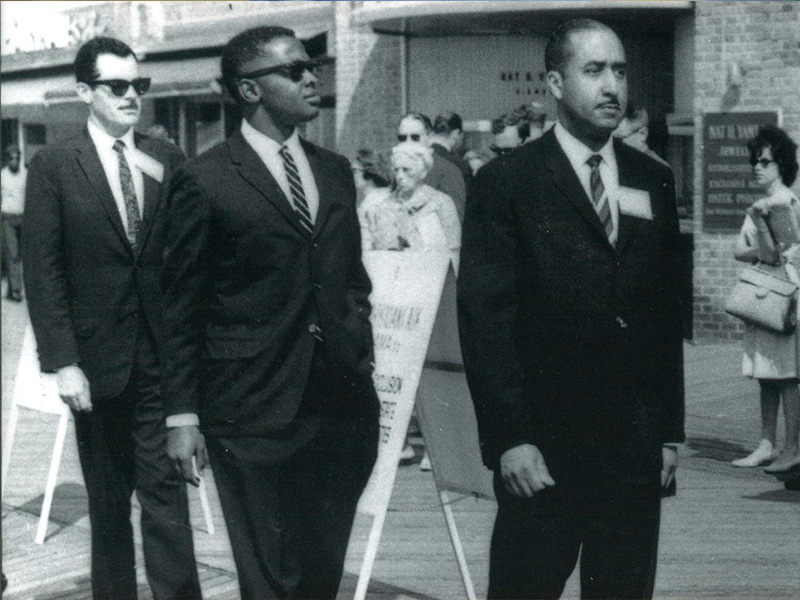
{"points": [[729, 187]]}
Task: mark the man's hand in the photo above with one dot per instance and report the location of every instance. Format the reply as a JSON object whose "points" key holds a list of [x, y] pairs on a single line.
{"points": [[524, 471], [669, 464], [183, 444], [73, 387]]}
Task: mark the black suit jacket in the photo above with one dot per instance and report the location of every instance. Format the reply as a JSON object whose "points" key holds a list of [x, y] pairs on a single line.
{"points": [[85, 286], [245, 285], [567, 340]]}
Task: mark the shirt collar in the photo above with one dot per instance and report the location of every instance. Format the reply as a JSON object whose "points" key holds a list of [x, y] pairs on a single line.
{"points": [[102, 139], [258, 140], [577, 152]]}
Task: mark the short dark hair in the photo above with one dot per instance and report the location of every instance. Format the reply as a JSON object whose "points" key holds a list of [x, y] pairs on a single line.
{"points": [[85, 65], [784, 150], [418, 116], [375, 166], [243, 48], [514, 118], [558, 51], [447, 122]]}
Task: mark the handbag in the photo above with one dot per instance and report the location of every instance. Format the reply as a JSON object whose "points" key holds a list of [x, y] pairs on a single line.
{"points": [[765, 297]]}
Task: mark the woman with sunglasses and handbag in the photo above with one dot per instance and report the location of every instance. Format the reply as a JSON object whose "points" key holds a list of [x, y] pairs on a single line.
{"points": [[772, 358]]}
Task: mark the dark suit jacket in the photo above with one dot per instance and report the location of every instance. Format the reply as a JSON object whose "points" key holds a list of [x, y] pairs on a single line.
{"points": [[463, 165], [245, 285], [569, 342], [445, 177], [84, 285]]}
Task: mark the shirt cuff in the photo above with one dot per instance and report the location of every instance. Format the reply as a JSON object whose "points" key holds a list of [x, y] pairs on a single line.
{"points": [[183, 420]]}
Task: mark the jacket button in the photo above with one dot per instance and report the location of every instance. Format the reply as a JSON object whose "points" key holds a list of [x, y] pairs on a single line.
{"points": [[621, 322], [312, 328], [317, 286]]}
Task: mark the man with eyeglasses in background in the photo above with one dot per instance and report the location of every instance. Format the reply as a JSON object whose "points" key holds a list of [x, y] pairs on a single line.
{"points": [[510, 130], [269, 353], [444, 176], [93, 245]]}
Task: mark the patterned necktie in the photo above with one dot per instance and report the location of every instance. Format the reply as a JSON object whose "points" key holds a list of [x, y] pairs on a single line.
{"points": [[599, 197], [296, 187], [300, 207], [128, 194]]}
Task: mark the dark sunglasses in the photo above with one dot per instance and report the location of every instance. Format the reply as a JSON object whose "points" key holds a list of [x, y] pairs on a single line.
{"points": [[500, 151], [119, 87], [414, 136], [293, 71], [764, 162]]}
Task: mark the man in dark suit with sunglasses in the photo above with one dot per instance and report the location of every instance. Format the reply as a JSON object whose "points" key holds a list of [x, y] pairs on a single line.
{"points": [[93, 245], [269, 352]]}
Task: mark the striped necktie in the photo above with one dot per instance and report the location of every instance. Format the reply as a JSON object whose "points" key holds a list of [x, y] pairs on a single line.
{"points": [[128, 194], [296, 186], [599, 196], [300, 207]]}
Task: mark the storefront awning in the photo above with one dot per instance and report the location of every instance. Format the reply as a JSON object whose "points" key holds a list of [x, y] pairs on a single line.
{"points": [[507, 17]]}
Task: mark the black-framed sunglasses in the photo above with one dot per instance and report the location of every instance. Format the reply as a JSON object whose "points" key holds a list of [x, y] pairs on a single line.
{"points": [[500, 151], [119, 87], [293, 70], [403, 137], [764, 162]]}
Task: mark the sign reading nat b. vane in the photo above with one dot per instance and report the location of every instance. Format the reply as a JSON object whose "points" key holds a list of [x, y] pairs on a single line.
{"points": [[728, 184]]}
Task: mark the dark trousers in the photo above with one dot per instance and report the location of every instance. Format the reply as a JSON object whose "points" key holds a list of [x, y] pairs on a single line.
{"points": [[122, 448], [289, 500], [12, 237], [604, 505]]}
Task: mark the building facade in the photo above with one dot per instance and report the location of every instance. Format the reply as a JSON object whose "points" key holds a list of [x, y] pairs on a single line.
{"points": [[689, 63]]}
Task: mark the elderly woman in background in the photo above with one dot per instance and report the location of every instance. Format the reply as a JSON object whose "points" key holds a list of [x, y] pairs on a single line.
{"points": [[772, 358], [412, 216], [372, 175]]}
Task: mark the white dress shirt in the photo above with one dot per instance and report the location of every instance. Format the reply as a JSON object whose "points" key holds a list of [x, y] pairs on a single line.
{"points": [[13, 190], [578, 153], [104, 144], [268, 151]]}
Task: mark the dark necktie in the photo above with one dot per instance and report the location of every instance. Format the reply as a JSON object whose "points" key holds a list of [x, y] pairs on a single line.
{"points": [[599, 197], [128, 194], [296, 186]]}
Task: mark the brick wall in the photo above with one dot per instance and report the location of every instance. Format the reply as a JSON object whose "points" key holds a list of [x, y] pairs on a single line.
{"points": [[369, 95], [764, 39]]}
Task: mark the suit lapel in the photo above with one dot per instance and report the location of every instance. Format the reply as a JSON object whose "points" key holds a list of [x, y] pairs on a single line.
{"points": [[628, 177], [92, 168], [253, 170], [321, 175], [567, 182], [152, 193]]}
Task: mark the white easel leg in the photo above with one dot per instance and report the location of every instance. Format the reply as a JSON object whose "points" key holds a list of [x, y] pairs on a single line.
{"points": [[8, 443], [55, 462], [457, 547], [369, 556]]}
